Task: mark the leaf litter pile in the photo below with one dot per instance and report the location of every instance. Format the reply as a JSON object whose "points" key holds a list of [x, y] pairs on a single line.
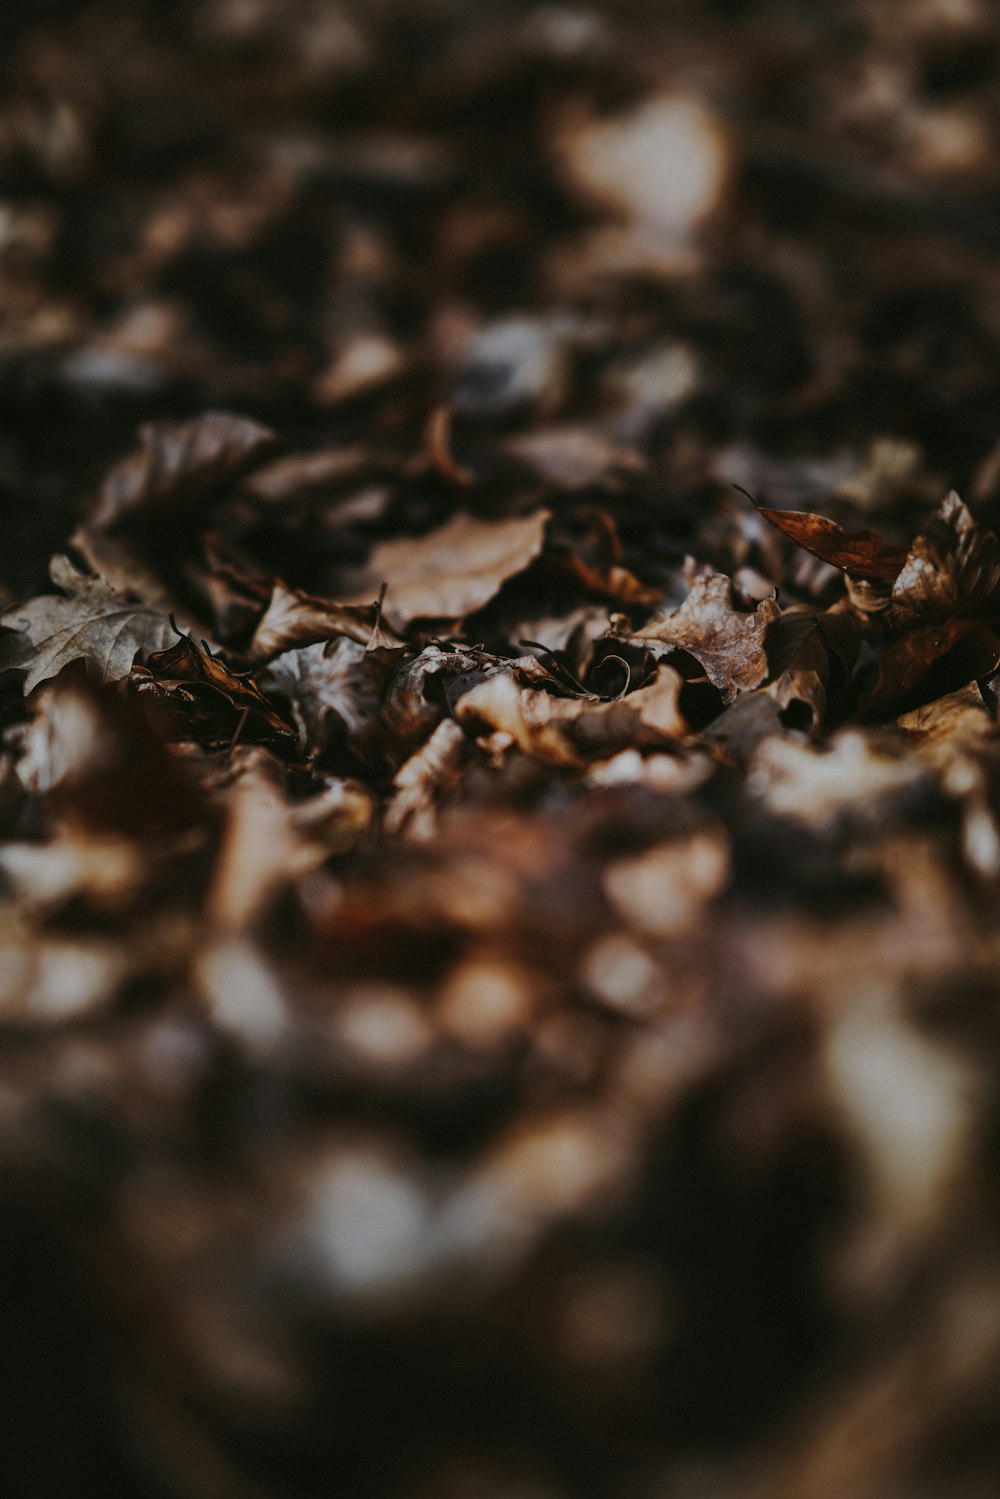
{"points": [[499, 908]]}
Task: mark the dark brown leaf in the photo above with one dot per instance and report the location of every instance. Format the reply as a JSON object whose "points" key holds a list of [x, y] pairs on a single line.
{"points": [[952, 568], [207, 700], [941, 656], [178, 467], [813, 655]]}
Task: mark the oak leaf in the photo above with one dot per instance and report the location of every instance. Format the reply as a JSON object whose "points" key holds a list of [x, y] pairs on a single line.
{"points": [[87, 621]]}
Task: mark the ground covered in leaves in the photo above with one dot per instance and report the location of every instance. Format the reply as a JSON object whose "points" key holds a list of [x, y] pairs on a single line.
{"points": [[499, 909]]}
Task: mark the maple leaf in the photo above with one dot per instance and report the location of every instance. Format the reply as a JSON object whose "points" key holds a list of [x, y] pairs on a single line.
{"points": [[88, 621], [729, 644]]}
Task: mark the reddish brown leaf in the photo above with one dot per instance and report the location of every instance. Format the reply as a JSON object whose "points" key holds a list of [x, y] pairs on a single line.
{"points": [[962, 648], [864, 554]]}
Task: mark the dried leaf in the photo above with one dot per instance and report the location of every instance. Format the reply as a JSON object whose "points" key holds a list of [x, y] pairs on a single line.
{"points": [[294, 618], [453, 570], [205, 699], [575, 458], [178, 467], [422, 689], [87, 622], [946, 655], [813, 655], [335, 693], [421, 777], [863, 554], [952, 568], [575, 731], [729, 644]]}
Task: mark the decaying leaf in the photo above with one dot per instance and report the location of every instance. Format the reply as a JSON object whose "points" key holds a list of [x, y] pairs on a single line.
{"points": [[335, 693], [813, 655], [199, 692], [87, 622], [573, 731], [729, 644], [951, 652], [293, 618], [452, 571], [951, 569]]}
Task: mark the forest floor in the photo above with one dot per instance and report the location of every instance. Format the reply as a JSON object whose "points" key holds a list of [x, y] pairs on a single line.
{"points": [[499, 796]]}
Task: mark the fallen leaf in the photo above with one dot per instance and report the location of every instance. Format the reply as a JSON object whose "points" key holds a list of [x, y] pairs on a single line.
{"points": [[729, 644], [424, 688], [87, 621], [575, 731], [864, 554], [293, 618], [335, 692], [952, 568], [300, 479], [178, 466], [421, 778], [205, 699], [574, 458], [813, 655], [935, 659], [451, 571]]}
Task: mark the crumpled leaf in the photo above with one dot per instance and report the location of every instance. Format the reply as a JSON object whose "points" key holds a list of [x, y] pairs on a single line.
{"points": [[956, 722], [88, 621], [178, 466], [863, 554], [453, 570], [813, 655], [293, 618], [575, 731], [421, 778], [729, 644], [424, 688], [951, 568], [208, 701], [334, 689]]}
